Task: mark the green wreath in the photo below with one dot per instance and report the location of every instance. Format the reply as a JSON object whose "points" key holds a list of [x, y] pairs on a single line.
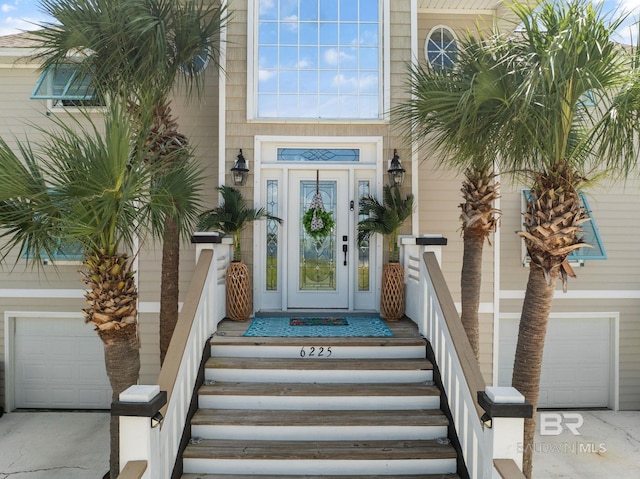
{"points": [[327, 223]]}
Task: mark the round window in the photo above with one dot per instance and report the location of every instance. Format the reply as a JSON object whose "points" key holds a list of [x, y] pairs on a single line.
{"points": [[440, 48]]}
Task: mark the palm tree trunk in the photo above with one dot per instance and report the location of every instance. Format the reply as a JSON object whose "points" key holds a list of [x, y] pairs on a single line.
{"points": [[122, 361], [470, 283], [169, 285], [528, 360]]}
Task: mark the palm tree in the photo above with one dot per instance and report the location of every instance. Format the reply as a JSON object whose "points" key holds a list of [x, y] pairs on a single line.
{"points": [[94, 191], [568, 117], [451, 111], [138, 49]]}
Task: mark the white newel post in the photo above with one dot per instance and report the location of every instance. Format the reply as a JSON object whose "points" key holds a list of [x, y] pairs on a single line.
{"points": [[222, 247], [412, 250], [139, 410], [506, 410]]}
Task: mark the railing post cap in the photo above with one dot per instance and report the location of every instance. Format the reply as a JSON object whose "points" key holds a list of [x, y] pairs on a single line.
{"points": [[139, 393], [504, 395]]}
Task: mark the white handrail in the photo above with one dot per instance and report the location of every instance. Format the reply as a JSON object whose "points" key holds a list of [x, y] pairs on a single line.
{"points": [[430, 312], [203, 311]]}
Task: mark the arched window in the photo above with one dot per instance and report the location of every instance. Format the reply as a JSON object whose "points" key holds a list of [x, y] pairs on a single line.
{"points": [[440, 47]]}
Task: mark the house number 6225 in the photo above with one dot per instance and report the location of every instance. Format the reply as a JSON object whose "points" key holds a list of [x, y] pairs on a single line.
{"points": [[315, 352]]}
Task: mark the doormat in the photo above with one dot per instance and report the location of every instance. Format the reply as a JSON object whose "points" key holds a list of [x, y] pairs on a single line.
{"points": [[318, 322], [290, 327]]}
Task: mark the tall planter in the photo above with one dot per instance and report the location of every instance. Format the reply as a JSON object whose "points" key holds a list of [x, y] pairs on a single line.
{"points": [[238, 284], [392, 294], [230, 218], [385, 219]]}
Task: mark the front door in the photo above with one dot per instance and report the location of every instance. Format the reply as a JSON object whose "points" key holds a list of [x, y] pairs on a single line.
{"points": [[318, 268]]}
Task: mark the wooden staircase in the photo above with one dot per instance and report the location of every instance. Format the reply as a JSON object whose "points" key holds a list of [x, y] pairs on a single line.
{"points": [[319, 407]]}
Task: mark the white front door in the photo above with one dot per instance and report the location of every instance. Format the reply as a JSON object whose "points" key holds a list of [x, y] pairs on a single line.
{"points": [[318, 273]]}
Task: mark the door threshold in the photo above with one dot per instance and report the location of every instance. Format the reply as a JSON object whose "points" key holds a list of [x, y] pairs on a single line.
{"points": [[316, 312]]}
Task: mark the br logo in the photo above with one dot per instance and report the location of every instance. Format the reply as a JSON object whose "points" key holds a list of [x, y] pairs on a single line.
{"points": [[553, 423]]}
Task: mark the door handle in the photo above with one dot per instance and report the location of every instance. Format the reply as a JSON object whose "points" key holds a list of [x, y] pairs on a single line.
{"points": [[345, 248]]}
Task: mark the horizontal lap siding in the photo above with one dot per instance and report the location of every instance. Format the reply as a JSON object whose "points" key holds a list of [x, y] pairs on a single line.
{"points": [[616, 214], [197, 119]]}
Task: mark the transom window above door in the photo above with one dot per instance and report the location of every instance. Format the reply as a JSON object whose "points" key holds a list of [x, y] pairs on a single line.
{"points": [[318, 59]]}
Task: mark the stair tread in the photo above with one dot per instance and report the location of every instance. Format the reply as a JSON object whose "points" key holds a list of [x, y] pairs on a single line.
{"points": [[280, 476], [320, 364], [420, 417], [319, 450], [318, 389], [219, 339]]}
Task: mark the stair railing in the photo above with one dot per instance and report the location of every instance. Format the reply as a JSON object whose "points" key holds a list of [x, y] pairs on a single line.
{"points": [[203, 308], [485, 432]]}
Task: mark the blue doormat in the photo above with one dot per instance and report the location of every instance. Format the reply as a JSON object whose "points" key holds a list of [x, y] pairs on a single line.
{"points": [[317, 328]]}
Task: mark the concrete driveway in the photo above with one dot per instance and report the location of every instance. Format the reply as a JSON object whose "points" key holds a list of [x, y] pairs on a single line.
{"points": [[608, 445], [75, 445], [54, 445]]}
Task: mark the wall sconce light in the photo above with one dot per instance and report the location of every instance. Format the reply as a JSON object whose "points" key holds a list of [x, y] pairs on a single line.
{"points": [[240, 172], [396, 171]]}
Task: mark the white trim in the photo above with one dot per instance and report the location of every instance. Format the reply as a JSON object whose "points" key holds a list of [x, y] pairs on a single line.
{"points": [[454, 11], [496, 290], [614, 349], [263, 142], [252, 55], [222, 103], [42, 293], [386, 59], [578, 294], [415, 157]]}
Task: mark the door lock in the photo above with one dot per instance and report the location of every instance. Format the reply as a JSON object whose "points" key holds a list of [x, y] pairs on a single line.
{"points": [[352, 205]]}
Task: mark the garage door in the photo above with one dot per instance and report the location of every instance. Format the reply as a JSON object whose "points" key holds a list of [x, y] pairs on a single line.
{"points": [[59, 364], [576, 365]]}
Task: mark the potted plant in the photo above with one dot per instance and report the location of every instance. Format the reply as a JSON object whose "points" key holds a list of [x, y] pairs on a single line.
{"points": [[386, 218], [230, 218]]}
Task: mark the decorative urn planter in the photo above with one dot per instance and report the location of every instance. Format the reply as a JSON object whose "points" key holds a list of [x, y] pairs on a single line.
{"points": [[392, 293], [238, 283]]}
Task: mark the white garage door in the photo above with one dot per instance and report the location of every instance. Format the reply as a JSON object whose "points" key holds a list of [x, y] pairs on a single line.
{"points": [[576, 364], [59, 364]]}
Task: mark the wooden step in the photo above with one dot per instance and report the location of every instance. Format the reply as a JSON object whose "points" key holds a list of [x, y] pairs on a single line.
{"points": [[298, 396], [324, 370], [334, 347], [320, 425], [332, 457], [281, 476]]}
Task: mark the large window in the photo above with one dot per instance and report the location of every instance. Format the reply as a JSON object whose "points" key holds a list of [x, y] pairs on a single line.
{"points": [[318, 59]]}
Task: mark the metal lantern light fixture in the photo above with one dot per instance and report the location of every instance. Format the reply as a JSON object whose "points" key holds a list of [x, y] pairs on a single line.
{"points": [[396, 171], [240, 172]]}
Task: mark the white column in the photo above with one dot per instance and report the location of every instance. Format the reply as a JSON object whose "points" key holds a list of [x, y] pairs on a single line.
{"points": [[506, 410], [140, 434]]}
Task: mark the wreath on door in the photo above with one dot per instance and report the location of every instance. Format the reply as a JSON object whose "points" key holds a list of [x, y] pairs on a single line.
{"points": [[317, 221]]}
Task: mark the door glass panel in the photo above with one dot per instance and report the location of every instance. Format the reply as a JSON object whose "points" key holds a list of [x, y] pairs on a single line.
{"points": [[363, 249], [317, 256], [272, 236]]}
